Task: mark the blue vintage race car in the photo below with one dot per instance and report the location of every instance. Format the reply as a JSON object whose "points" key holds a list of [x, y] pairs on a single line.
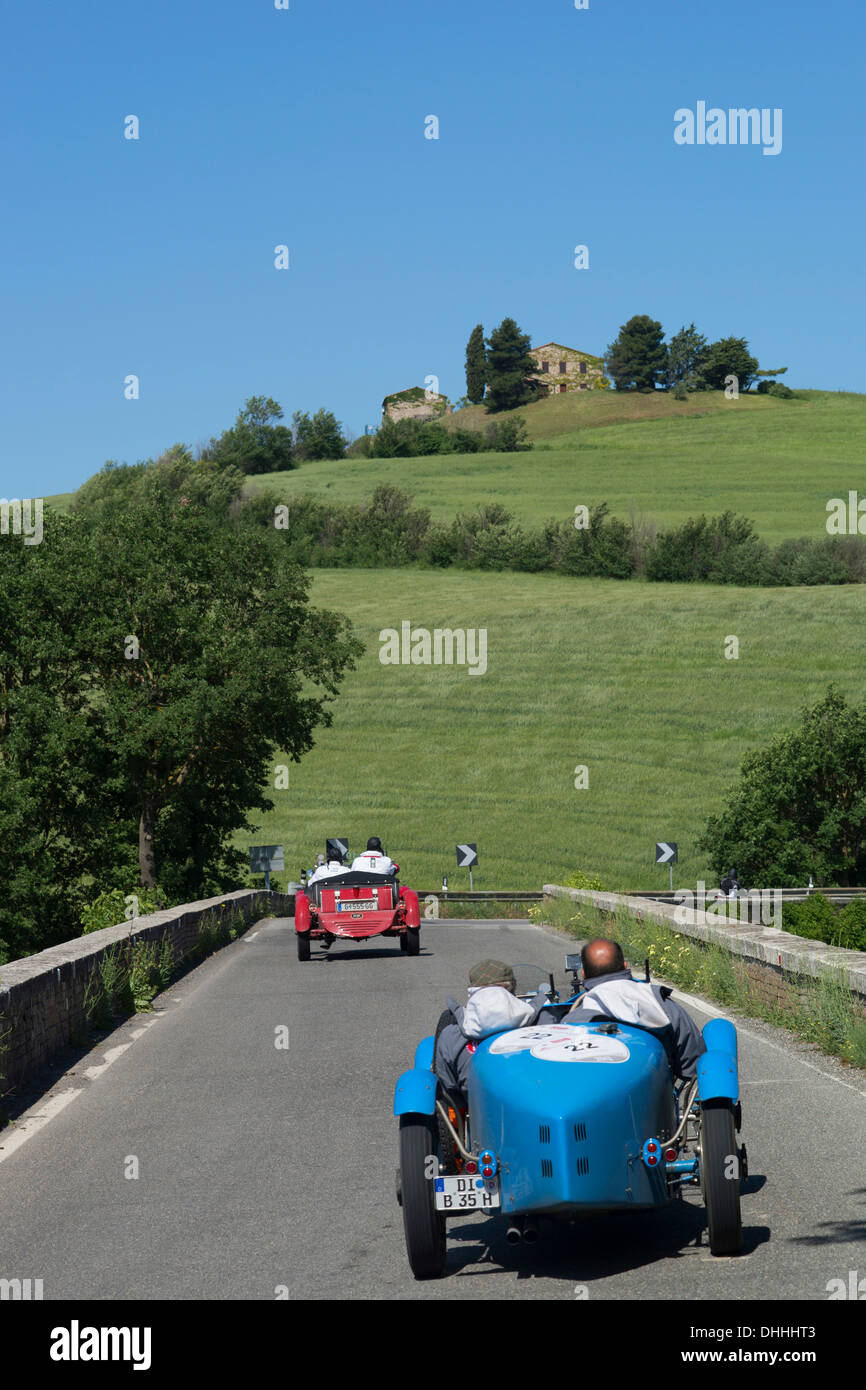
{"points": [[565, 1118]]}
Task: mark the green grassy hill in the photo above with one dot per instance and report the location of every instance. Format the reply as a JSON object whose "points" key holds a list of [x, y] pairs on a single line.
{"points": [[628, 679], [654, 458]]}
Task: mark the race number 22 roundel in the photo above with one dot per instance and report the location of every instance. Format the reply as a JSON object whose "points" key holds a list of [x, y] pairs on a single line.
{"points": [[562, 1042]]}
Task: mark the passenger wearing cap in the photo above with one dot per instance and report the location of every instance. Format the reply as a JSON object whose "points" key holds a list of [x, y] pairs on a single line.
{"points": [[612, 993], [374, 860], [492, 1007]]}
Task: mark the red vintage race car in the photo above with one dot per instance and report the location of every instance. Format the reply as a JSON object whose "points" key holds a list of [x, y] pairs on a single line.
{"points": [[354, 907]]}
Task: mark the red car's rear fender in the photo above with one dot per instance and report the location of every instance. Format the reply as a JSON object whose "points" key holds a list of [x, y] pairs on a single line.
{"points": [[411, 907], [302, 912]]}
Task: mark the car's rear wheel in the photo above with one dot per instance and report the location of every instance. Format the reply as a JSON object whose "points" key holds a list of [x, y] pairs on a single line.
{"points": [[413, 941], [446, 1138], [303, 947], [423, 1225], [720, 1178]]}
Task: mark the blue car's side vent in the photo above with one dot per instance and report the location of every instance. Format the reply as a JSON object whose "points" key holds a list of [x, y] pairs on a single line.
{"points": [[582, 1167], [544, 1134], [546, 1168], [580, 1132]]}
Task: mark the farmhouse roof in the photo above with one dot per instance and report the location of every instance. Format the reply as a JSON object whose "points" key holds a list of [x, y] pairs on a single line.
{"points": [[579, 351], [409, 390]]}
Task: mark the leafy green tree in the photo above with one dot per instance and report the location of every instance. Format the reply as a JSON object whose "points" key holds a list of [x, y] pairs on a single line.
{"points": [[58, 809], [476, 366], [254, 444], [687, 351], [800, 805], [201, 482], [508, 436], [319, 437], [227, 666], [509, 365], [158, 657], [637, 358], [728, 357]]}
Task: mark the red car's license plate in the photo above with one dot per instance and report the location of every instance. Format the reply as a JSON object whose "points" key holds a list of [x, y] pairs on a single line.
{"points": [[361, 905]]}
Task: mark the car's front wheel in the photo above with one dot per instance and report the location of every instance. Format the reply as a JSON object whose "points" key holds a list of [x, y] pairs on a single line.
{"points": [[303, 947], [423, 1225], [720, 1178]]}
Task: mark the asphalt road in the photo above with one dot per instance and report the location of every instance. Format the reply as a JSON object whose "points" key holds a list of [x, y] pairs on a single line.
{"points": [[265, 1168]]}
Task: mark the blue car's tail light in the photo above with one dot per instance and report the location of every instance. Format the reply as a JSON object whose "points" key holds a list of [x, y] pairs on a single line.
{"points": [[652, 1153], [488, 1164]]}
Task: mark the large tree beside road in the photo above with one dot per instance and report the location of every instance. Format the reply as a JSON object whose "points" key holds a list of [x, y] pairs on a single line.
{"points": [[799, 807], [167, 652]]}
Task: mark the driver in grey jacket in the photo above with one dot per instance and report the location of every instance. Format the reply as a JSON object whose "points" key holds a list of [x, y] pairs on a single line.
{"points": [[611, 991]]}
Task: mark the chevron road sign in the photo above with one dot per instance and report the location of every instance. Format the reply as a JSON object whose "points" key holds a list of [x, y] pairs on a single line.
{"points": [[666, 853], [467, 855]]}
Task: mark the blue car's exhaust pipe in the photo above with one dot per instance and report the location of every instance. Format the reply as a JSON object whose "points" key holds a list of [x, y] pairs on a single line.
{"points": [[522, 1228]]}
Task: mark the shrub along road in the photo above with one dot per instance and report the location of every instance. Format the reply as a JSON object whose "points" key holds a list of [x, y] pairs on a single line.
{"points": [[261, 1166]]}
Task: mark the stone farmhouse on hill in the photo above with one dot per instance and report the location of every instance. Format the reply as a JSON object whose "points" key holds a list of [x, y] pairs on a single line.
{"points": [[562, 369], [415, 404]]}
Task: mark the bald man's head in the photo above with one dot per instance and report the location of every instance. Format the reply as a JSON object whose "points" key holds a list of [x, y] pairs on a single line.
{"points": [[601, 957]]}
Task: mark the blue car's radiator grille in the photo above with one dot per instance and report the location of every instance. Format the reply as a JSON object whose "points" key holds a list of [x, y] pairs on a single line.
{"points": [[546, 1168], [582, 1167], [544, 1134], [580, 1132]]}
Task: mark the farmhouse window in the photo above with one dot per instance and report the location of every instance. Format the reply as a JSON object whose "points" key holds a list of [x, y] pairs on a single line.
{"points": [[583, 369], [545, 366], [563, 367], [563, 388]]}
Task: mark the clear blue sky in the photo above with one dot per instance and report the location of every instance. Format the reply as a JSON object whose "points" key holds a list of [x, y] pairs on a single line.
{"points": [[306, 127]]}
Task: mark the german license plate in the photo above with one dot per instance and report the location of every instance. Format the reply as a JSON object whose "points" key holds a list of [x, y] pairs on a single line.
{"points": [[466, 1194], [359, 905]]}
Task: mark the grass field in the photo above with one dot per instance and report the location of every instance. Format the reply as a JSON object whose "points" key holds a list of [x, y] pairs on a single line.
{"points": [[775, 461], [627, 679], [648, 457]]}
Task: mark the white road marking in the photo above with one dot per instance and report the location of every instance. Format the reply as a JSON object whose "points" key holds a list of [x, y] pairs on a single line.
{"points": [[33, 1122], [706, 1008], [110, 1056], [30, 1126], [251, 938]]}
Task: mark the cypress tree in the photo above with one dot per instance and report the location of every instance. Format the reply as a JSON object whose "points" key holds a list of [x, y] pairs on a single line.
{"points": [[476, 365]]}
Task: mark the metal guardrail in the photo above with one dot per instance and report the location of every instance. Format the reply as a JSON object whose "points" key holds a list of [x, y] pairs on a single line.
{"points": [[788, 895], [520, 896]]}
